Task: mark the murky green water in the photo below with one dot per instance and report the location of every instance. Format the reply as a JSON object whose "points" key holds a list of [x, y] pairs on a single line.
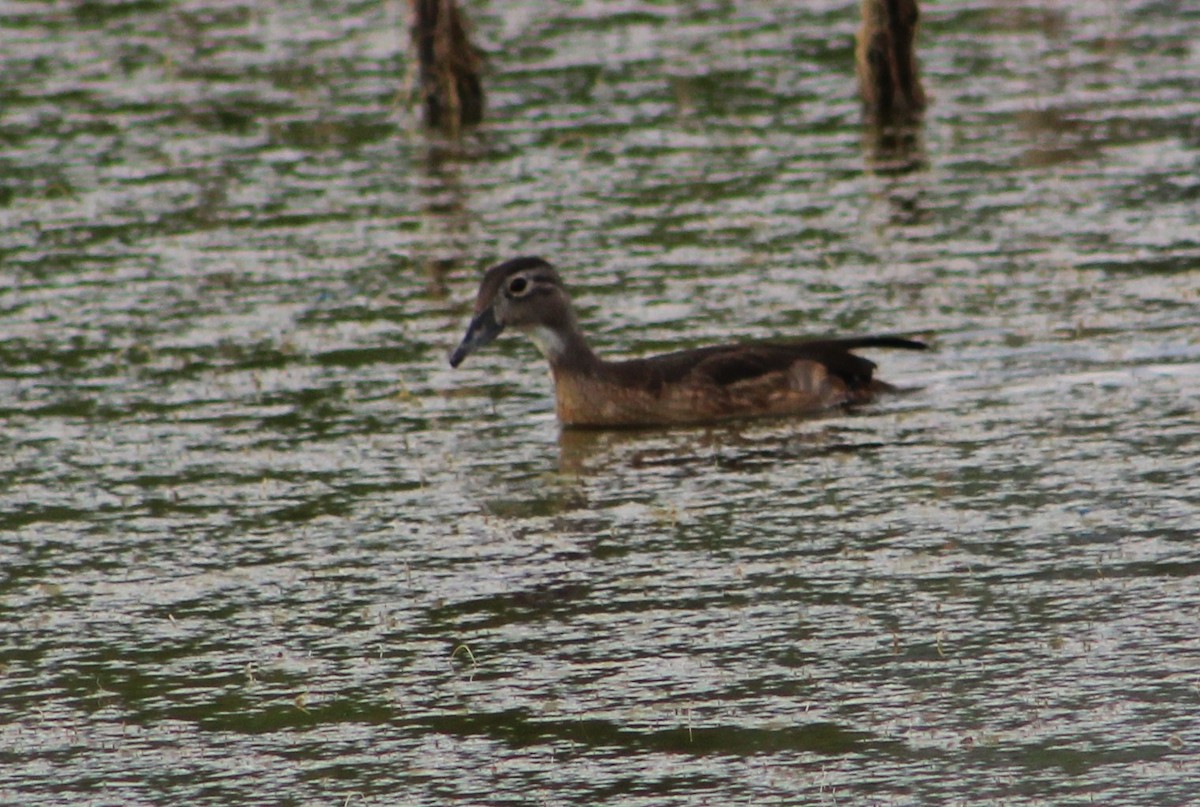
{"points": [[261, 545]]}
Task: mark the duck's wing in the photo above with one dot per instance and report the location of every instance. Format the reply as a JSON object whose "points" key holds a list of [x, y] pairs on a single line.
{"points": [[724, 365], [763, 378], [722, 382]]}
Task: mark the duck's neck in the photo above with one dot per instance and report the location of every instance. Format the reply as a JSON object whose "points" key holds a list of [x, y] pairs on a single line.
{"points": [[566, 349]]}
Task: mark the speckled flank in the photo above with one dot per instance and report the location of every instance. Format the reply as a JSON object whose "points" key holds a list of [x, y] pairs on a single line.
{"points": [[594, 401]]}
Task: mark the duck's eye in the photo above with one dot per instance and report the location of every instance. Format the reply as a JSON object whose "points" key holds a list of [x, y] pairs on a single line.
{"points": [[518, 285]]}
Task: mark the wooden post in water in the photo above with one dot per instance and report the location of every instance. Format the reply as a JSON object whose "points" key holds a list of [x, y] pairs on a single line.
{"points": [[888, 78], [449, 65]]}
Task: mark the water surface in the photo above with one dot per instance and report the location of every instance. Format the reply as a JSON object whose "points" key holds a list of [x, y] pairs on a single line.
{"points": [[260, 543]]}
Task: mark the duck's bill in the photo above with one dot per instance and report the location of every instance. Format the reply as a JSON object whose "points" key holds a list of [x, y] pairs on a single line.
{"points": [[482, 330]]}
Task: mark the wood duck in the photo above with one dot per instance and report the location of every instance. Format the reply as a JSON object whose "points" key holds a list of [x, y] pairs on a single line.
{"points": [[755, 379]]}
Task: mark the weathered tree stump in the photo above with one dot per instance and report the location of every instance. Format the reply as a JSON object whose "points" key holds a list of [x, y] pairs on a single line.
{"points": [[449, 65], [888, 77]]}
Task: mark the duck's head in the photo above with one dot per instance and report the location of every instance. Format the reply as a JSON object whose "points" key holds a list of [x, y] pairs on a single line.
{"points": [[525, 294]]}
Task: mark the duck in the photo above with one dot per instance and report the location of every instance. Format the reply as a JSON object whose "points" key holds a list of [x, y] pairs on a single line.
{"points": [[687, 387]]}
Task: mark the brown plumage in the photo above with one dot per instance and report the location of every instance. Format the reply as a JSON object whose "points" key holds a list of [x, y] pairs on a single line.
{"points": [[754, 379]]}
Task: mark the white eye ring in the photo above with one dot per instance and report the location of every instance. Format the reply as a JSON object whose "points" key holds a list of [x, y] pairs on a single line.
{"points": [[518, 286]]}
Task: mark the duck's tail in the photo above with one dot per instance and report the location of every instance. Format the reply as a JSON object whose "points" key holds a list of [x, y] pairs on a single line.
{"points": [[898, 342]]}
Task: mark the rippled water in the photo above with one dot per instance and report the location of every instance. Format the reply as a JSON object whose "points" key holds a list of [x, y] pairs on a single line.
{"points": [[260, 544]]}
